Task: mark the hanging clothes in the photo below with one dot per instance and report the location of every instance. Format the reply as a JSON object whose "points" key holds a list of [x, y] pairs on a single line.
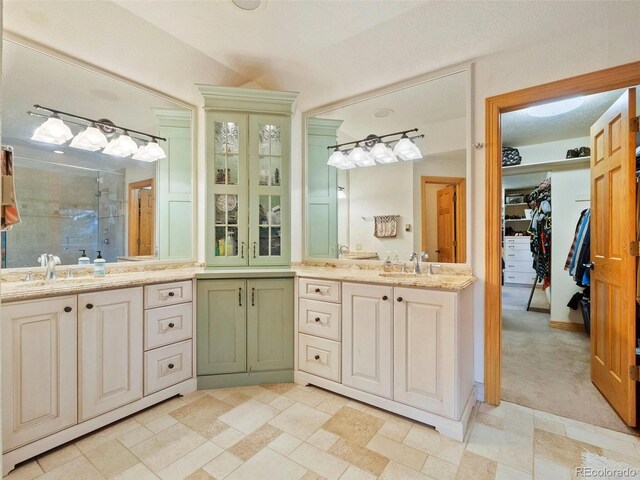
{"points": [[580, 252], [574, 243], [540, 230], [9, 214]]}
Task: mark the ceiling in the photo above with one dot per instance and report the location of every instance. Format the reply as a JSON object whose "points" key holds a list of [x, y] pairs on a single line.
{"points": [[519, 128]]}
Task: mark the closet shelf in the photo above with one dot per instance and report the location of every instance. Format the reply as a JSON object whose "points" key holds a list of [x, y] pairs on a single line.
{"points": [[562, 164], [517, 220], [515, 204]]}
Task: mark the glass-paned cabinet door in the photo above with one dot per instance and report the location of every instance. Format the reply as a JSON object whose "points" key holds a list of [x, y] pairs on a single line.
{"points": [[269, 192], [227, 178]]}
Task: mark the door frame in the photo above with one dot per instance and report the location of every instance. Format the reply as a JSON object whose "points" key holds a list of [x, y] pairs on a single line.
{"points": [[132, 187], [461, 214], [622, 76]]}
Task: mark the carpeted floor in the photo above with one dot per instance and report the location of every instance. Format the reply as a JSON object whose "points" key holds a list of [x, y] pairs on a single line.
{"points": [[548, 369]]}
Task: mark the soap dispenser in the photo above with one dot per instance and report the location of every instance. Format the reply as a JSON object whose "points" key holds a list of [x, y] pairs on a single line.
{"points": [[84, 260], [99, 265]]}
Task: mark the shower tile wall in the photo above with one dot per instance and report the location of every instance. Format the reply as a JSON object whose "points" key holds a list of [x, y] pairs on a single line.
{"points": [[111, 216]]}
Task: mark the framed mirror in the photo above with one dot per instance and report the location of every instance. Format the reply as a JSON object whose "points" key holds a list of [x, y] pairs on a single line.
{"points": [[73, 198], [396, 204]]}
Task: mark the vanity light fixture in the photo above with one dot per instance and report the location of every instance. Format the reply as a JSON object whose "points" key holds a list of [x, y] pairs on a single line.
{"points": [[342, 193], [93, 137], [372, 149]]}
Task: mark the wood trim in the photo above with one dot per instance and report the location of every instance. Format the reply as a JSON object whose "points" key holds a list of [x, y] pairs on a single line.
{"points": [[133, 232], [622, 76], [461, 213], [567, 326]]}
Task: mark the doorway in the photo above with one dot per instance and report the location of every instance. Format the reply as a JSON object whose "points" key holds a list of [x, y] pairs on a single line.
{"points": [[142, 210], [611, 79]]}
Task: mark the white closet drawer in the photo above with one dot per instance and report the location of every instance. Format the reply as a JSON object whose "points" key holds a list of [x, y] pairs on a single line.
{"points": [[518, 246], [517, 240], [519, 266], [166, 325], [319, 356], [518, 255], [319, 318], [516, 277], [167, 366], [319, 289], [167, 294]]}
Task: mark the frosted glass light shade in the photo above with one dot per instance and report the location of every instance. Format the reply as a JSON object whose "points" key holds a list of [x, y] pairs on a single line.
{"points": [[54, 131], [150, 152], [342, 193], [123, 146], [407, 150], [383, 154], [340, 160], [361, 158], [91, 139]]}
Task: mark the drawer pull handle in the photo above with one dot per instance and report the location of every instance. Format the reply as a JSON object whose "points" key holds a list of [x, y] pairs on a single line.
{"points": [[171, 294], [317, 319], [254, 249], [89, 306], [399, 299], [385, 298], [171, 325], [317, 357], [171, 365], [253, 297], [318, 290], [240, 297], [242, 250], [67, 309]]}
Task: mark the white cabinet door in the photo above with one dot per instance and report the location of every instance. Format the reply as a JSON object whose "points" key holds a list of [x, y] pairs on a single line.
{"points": [[425, 349], [367, 338], [39, 369], [110, 350]]}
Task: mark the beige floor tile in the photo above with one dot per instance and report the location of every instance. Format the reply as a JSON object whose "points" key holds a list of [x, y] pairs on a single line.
{"points": [[193, 396], [249, 416], [266, 396], [159, 410], [633, 460], [332, 404], [601, 440], [300, 420], [77, 469], [439, 469], [282, 403], [398, 452], [135, 436], [202, 416], [360, 456], [549, 426], [167, 446], [305, 395], [221, 466], [254, 442], [161, 423], [268, 461], [354, 425], [322, 439], [236, 398], [561, 450], [318, 461], [505, 472], [354, 473], [618, 435], [311, 476], [504, 447], [394, 431], [26, 471], [397, 471], [192, 461], [228, 438], [430, 441], [476, 467], [137, 472], [543, 470], [279, 388], [111, 458], [58, 457], [568, 422], [200, 475], [491, 420], [285, 444], [106, 434]]}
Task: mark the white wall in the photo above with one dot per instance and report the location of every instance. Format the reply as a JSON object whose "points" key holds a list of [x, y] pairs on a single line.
{"points": [[550, 151]]}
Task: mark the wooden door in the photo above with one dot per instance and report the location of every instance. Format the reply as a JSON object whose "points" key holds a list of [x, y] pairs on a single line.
{"points": [[424, 349], [367, 336], [613, 331], [111, 350], [270, 324], [222, 327], [446, 224], [147, 222], [39, 369]]}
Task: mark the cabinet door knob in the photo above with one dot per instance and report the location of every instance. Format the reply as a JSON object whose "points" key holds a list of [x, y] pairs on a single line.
{"points": [[171, 365], [385, 298], [171, 294], [89, 306], [317, 319], [318, 290], [67, 309], [399, 299], [317, 357], [171, 325]]}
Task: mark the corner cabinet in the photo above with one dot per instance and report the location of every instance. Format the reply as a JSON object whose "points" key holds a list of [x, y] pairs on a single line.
{"points": [[247, 155]]}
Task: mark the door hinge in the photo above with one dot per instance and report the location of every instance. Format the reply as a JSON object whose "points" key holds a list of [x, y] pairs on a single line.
{"points": [[634, 373], [635, 124], [634, 248], [455, 243]]}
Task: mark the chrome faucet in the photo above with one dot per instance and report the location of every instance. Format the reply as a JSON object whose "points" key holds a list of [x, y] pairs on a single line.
{"points": [[431, 265], [343, 249], [52, 261], [416, 258]]}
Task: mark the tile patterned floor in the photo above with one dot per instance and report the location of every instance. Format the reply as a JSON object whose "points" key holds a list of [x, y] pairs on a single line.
{"points": [[287, 431]]}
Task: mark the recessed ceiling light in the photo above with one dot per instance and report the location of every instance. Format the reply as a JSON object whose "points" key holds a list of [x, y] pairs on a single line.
{"points": [[555, 108], [383, 112], [59, 152], [247, 4]]}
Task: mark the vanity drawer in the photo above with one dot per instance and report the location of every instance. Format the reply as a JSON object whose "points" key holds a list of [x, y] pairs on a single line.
{"points": [[319, 289], [166, 325], [518, 266], [167, 294], [517, 277], [319, 318], [319, 356], [167, 366]]}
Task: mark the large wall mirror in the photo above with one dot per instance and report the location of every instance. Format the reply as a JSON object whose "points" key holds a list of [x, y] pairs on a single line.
{"points": [[397, 204], [73, 196]]}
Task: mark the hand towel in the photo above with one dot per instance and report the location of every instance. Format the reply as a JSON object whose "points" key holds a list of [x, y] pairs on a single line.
{"points": [[386, 226]]}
